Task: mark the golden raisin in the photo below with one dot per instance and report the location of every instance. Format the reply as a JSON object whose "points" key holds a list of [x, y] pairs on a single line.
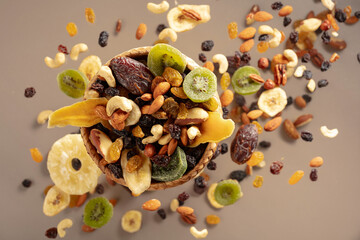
{"points": [[333, 23], [134, 163], [235, 114], [262, 47], [212, 219], [296, 177], [183, 111], [89, 15], [71, 28], [255, 159], [258, 126], [138, 132], [179, 92], [258, 181], [282, 36], [73, 200], [226, 98], [172, 76], [211, 104], [115, 150], [232, 30], [36, 155], [348, 11], [225, 81]]}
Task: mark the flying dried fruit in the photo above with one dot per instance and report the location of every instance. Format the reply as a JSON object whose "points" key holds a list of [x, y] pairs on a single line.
{"points": [[71, 28], [244, 143], [90, 15]]}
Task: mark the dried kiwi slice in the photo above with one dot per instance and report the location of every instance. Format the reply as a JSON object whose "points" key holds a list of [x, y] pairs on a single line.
{"points": [[227, 192], [200, 84], [72, 82], [98, 211], [242, 83], [162, 55]]}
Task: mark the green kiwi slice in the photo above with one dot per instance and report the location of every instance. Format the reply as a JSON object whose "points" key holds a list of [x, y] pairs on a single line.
{"points": [[227, 192], [98, 211], [72, 82], [242, 83]]}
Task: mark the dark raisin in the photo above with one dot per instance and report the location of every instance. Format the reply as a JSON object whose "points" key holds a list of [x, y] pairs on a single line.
{"points": [[240, 100], [307, 74], [263, 37], [131, 153], [357, 14], [244, 143], [307, 136], [161, 160], [200, 185], [307, 98], [276, 5], [146, 120], [116, 170], [289, 101], [29, 92], [26, 183], [211, 165], [287, 21], [340, 15], [103, 39], [323, 83], [246, 57], [160, 27], [207, 45], [306, 58], [76, 164], [325, 37], [358, 57], [325, 65], [183, 196], [63, 49], [276, 167], [191, 161], [129, 142], [260, 91], [100, 189], [161, 213], [265, 144], [294, 37], [181, 203], [224, 148], [175, 131], [51, 232], [111, 92], [313, 175], [122, 133], [238, 175], [253, 106], [139, 144], [225, 112], [99, 85], [202, 57]]}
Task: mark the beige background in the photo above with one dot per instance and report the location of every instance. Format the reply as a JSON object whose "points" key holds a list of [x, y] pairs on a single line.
{"points": [[326, 209]]}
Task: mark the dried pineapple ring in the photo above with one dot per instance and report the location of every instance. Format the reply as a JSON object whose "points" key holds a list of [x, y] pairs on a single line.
{"points": [[62, 172], [90, 66]]}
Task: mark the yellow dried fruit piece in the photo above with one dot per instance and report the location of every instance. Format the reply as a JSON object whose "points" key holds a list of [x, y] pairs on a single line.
{"points": [[36, 155], [183, 111], [179, 92], [255, 159], [172, 76], [296, 177], [81, 114], [134, 163], [214, 129], [212, 219], [138, 132], [90, 15], [262, 47], [73, 200], [225, 81], [258, 181], [232, 30], [258, 126], [71, 28], [90, 66], [211, 104], [115, 149]]}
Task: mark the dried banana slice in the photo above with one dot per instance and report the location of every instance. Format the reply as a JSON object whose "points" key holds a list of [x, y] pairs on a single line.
{"points": [[55, 201], [272, 101], [90, 66], [185, 17]]}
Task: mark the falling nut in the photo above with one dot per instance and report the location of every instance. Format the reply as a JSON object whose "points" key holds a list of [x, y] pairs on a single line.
{"points": [[311, 85], [64, 224], [56, 62], [300, 102], [156, 104], [330, 133], [299, 72], [272, 124], [255, 114], [198, 234], [116, 103], [105, 72], [310, 25], [303, 120], [222, 61], [316, 162], [193, 132], [156, 131], [43, 116], [290, 129], [291, 57], [158, 8], [168, 33], [77, 49], [174, 204]]}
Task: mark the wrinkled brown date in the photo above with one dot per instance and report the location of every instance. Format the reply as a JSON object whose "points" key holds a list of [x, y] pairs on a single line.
{"points": [[244, 143], [131, 74]]}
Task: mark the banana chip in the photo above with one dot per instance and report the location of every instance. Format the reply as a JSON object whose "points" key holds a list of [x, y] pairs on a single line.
{"points": [[90, 66], [185, 17], [272, 101]]}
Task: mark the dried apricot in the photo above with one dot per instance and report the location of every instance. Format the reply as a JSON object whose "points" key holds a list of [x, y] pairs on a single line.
{"points": [[89, 15], [36, 155], [262, 47], [258, 181], [255, 159], [71, 28], [225, 81], [232, 30], [115, 150], [212, 219], [296, 177], [134, 163]]}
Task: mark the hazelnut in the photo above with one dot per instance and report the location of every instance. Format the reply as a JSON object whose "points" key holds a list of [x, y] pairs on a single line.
{"points": [[269, 84], [263, 63]]}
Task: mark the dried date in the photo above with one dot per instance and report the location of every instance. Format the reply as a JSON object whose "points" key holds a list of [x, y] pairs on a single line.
{"points": [[244, 143]]}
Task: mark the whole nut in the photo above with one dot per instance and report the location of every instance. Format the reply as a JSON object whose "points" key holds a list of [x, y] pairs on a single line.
{"points": [[303, 120], [100, 110], [254, 114], [263, 63], [183, 210], [269, 84], [290, 129], [273, 124], [161, 89], [163, 150], [189, 219], [316, 162], [300, 102], [149, 150], [146, 97], [244, 118], [156, 104], [172, 146], [226, 98], [183, 136]]}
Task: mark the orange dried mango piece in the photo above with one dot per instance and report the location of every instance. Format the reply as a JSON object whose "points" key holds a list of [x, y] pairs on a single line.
{"points": [[81, 114], [36, 155]]}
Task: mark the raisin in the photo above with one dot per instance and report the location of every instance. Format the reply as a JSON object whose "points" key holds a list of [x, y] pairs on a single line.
{"points": [[307, 98], [51, 232], [217, 152], [232, 30], [225, 112], [260, 91], [240, 100], [175, 131], [276, 5], [115, 150], [325, 65], [258, 181], [191, 161], [323, 83], [63, 49], [26, 183], [262, 47], [225, 81], [306, 58], [313, 175], [325, 37], [99, 85], [183, 196], [129, 142], [90, 15], [161, 160], [307, 74], [207, 45], [200, 185], [116, 170], [146, 121], [122, 133], [71, 28], [132, 75], [211, 165], [244, 143], [287, 21], [139, 144], [276, 167], [246, 57], [294, 37], [160, 27], [202, 57], [111, 92], [357, 14], [181, 203], [238, 175], [212, 219], [29, 92], [171, 107], [340, 15], [100, 189], [263, 37], [289, 101], [224, 148], [307, 136], [103, 39], [265, 144], [161, 213], [76, 164]]}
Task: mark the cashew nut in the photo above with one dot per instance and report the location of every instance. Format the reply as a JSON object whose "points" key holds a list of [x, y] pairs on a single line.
{"points": [[158, 8], [134, 115], [156, 131], [106, 73], [63, 224], [328, 4], [311, 85], [77, 49], [265, 29], [289, 72], [57, 62], [299, 72], [168, 33], [291, 57], [222, 61], [198, 234], [165, 139], [118, 102], [275, 41], [310, 25], [43, 116], [193, 132], [330, 133], [334, 34], [91, 94]]}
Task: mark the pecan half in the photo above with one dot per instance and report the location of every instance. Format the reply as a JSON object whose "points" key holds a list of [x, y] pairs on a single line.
{"points": [[192, 14], [189, 219], [280, 74]]}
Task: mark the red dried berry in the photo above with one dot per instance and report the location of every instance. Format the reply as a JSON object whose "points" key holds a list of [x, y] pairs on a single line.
{"points": [[276, 167], [183, 196], [63, 49]]}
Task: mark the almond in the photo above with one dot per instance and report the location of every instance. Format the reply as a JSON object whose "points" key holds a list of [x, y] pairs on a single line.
{"points": [[100, 111], [303, 120], [226, 98], [290, 129], [151, 205], [244, 118], [262, 16], [146, 97], [172, 146], [163, 150], [145, 109], [256, 78], [183, 210], [300, 102], [316, 162], [351, 20], [141, 31], [285, 10], [273, 124], [247, 45], [183, 136], [156, 104], [254, 114], [161, 89], [247, 33]]}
